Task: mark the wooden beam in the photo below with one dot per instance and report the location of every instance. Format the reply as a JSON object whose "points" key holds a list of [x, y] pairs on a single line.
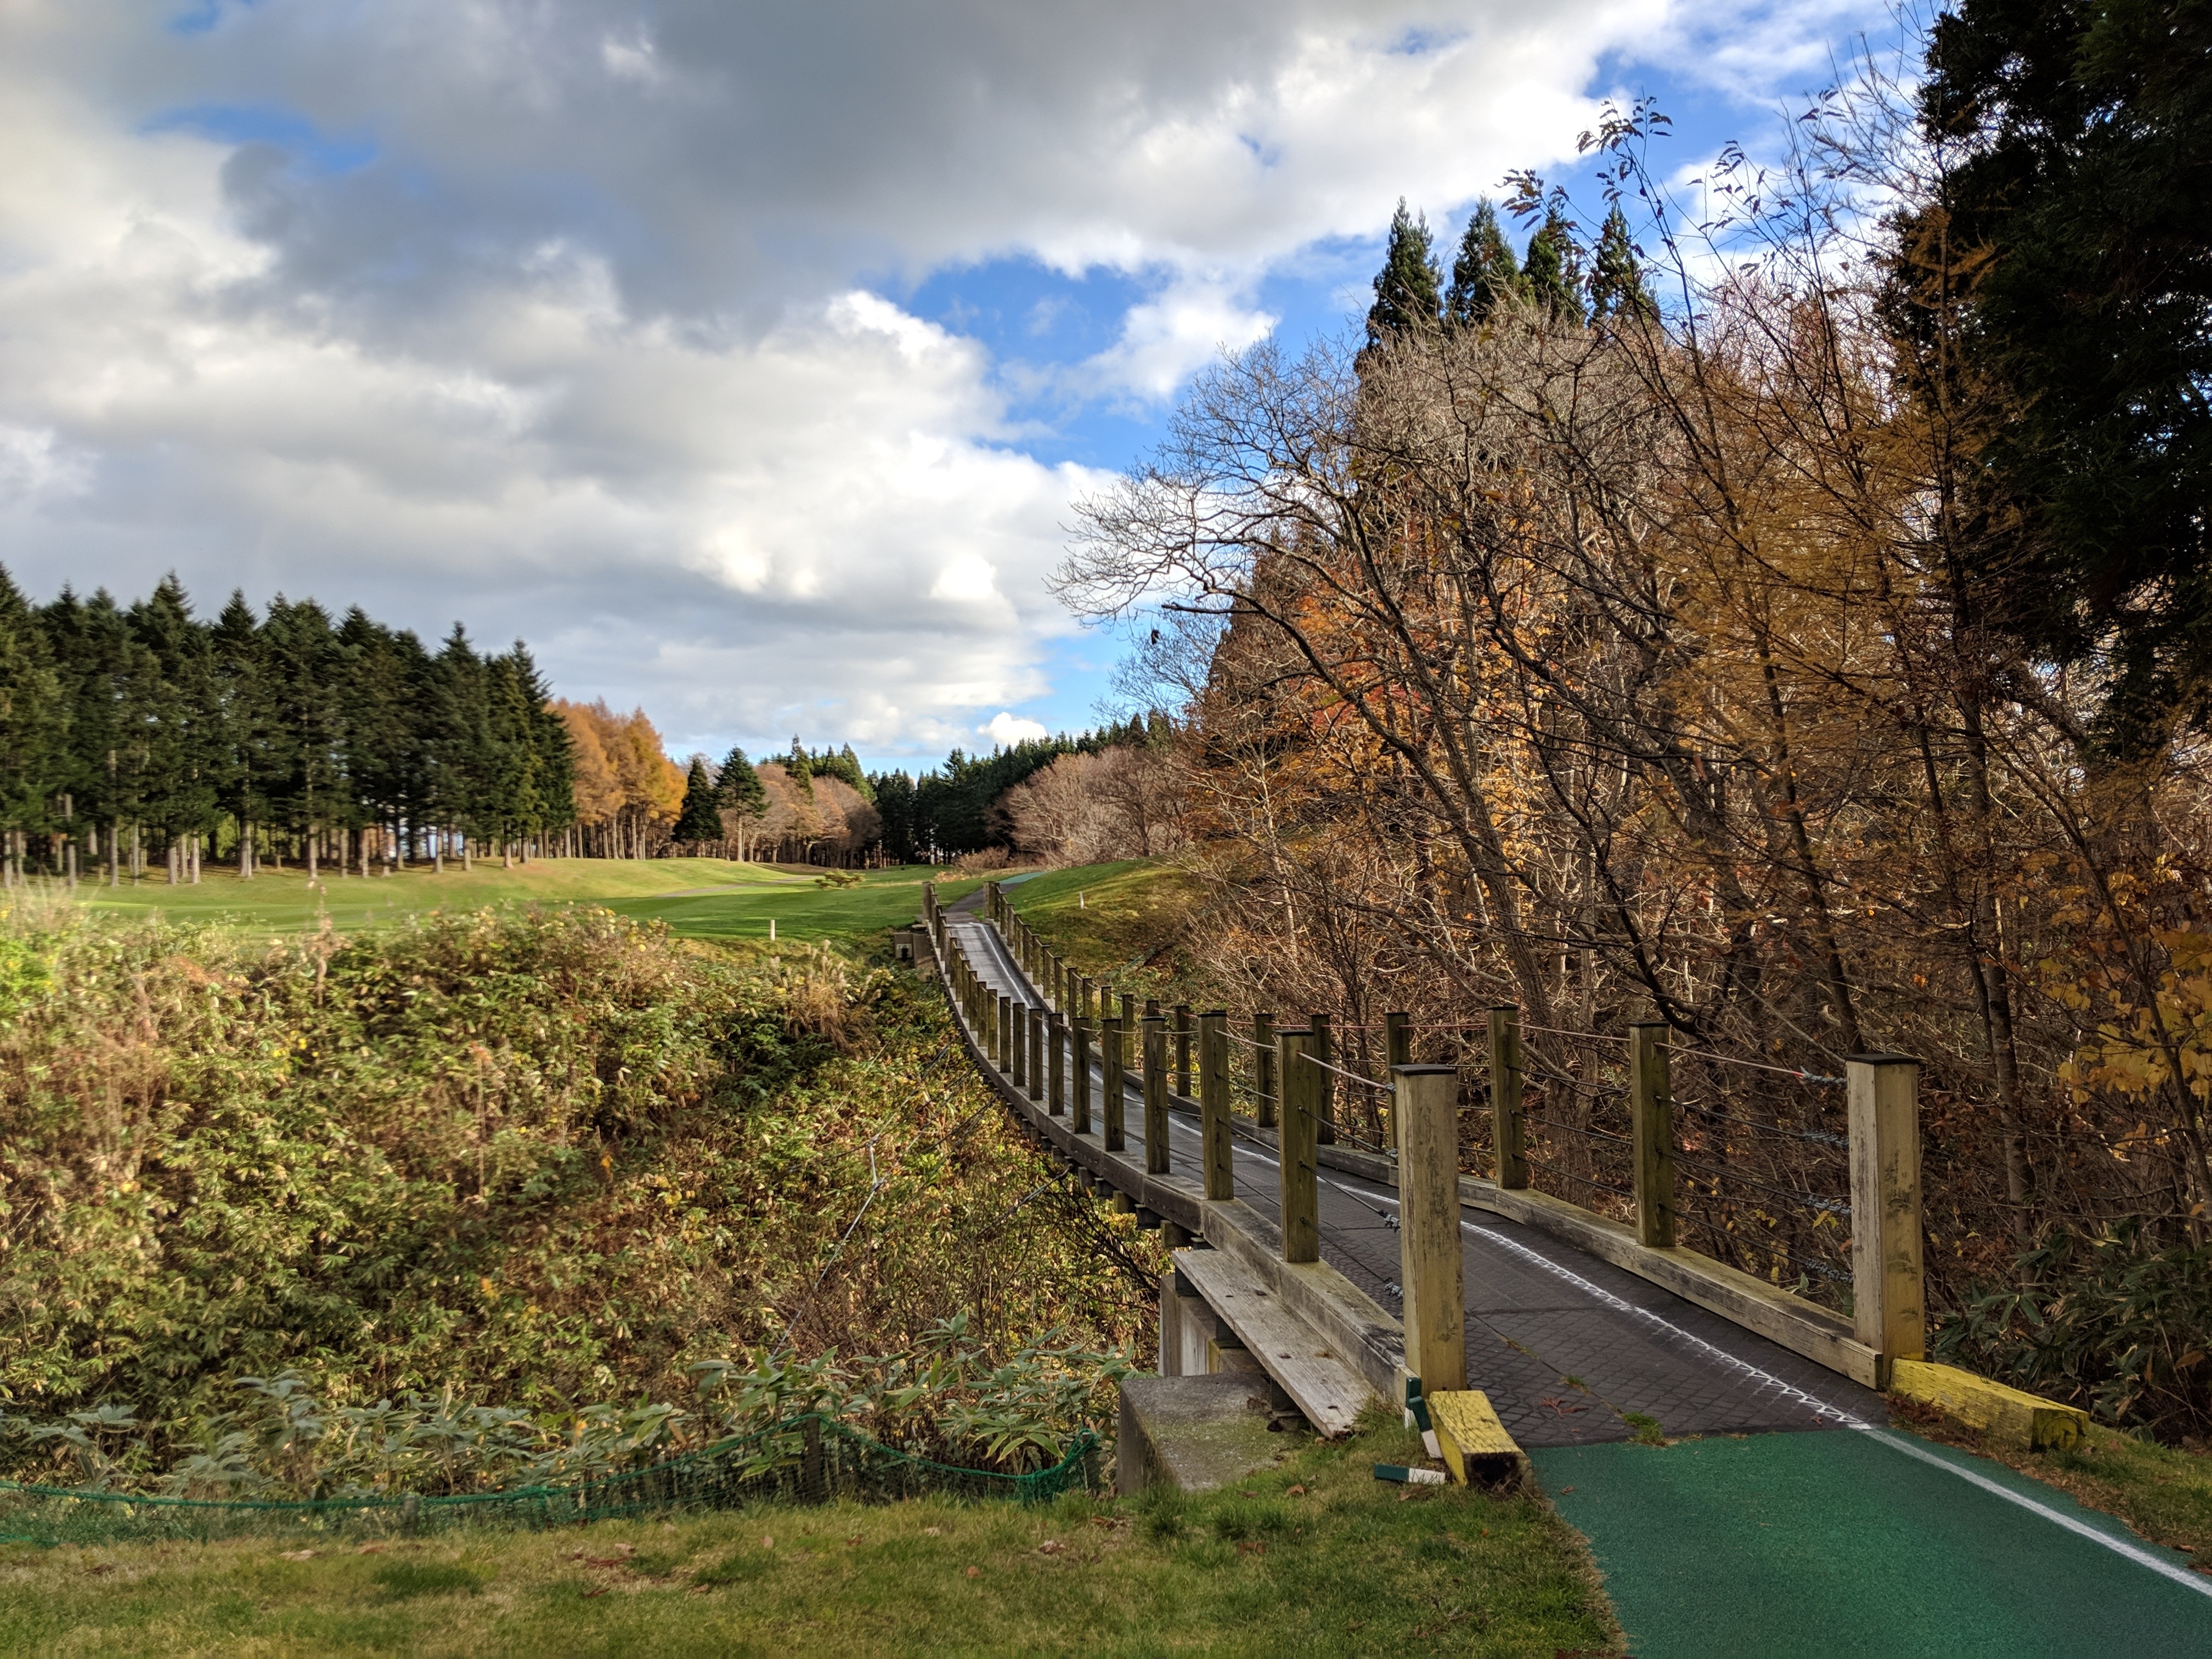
{"points": [[1296, 1164], [1888, 1294], [1218, 1153], [1056, 1065], [1651, 1117], [1079, 1042], [1114, 1083], [1428, 1224], [1268, 1098], [1156, 1095], [1509, 1129]]}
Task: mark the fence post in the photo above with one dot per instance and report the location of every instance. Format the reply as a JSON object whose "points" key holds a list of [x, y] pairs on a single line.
{"points": [[1055, 1036], [1079, 1037], [1265, 1096], [1508, 1132], [1156, 1095], [1651, 1112], [1297, 1158], [1129, 1012], [1019, 1070], [1006, 1033], [1182, 1049], [1114, 1086], [1397, 1050], [1214, 1104], [1036, 1053], [1324, 1095], [1427, 1110], [1889, 1301]]}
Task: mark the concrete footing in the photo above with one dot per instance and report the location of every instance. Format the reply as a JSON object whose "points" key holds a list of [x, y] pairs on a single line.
{"points": [[1193, 1434]]}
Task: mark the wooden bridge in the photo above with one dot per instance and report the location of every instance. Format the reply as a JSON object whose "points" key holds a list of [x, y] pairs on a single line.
{"points": [[1346, 1272]]}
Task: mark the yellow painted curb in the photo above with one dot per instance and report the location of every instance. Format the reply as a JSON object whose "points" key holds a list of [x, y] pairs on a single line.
{"points": [[1475, 1444], [2025, 1421]]}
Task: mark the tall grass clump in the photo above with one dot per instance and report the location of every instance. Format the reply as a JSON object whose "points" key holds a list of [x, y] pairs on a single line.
{"points": [[592, 1184]]}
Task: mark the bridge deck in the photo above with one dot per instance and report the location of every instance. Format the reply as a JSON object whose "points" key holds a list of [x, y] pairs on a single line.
{"points": [[1539, 1312]]}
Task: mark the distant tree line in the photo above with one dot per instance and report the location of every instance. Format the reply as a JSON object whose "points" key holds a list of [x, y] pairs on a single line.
{"points": [[137, 734], [952, 810]]}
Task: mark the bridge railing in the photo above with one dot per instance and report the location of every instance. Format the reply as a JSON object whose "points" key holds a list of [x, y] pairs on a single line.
{"points": [[1786, 1198]]}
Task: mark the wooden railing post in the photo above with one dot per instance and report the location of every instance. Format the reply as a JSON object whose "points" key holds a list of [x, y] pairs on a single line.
{"points": [[1036, 1052], [1129, 1012], [1888, 1301], [1324, 1096], [1114, 1086], [1651, 1119], [1019, 1069], [1267, 1096], [1508, 1130], [1005, 1017], [1056, 1064], [1429, 1249], [1397, 1050], [1297, 1160], [1218, 1153], [1156, 1095], [1078, 1039], [1182, 1049]]}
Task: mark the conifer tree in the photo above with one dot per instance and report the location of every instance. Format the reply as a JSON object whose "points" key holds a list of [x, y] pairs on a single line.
{"points": [[1405, 298], [1484, 273], [1616, 278], [798, 768], [1552, 273], [701, 819], [32, 713]]}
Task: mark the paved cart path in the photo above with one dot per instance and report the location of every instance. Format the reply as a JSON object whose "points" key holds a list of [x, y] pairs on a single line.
{"points": [[1821, 1532]]}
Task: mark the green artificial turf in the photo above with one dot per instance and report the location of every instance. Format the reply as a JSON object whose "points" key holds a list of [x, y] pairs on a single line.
{"points": [[1836, 1545]]}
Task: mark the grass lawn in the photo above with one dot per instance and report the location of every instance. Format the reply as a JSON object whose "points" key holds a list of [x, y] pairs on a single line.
{"points": [[1314, 1558], [706, 898], [1106, 918]]}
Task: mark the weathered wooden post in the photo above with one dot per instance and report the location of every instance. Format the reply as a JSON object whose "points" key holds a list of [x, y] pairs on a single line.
{"points": [[1114, 1087], [1509, 1132], [1056, 1064], [1006, 1056], [1216, 1151], [1267, 1098], [1324, 1050], [1297, 1162], [1156, 1095], [1078, 1039], [1397, 1050], [1036, 1054], [1182, 1049], [1427, 1111], [1651, 1115], [1018, 1070], [1889, 1301], [1129, 1012]]}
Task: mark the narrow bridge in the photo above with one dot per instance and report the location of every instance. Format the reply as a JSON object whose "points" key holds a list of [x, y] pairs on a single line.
{"points": [[1788, 1518]]}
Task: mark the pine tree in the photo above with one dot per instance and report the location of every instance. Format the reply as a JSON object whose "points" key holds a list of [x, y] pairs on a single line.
{"points": [[701, 819], [1616, 279], [798, 768], [1552, 273], [31, 714], [1484, 273], [1406, 300]]}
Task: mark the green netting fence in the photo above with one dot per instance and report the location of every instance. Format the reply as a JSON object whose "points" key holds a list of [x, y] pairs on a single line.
{"points": [[806, 1459]]}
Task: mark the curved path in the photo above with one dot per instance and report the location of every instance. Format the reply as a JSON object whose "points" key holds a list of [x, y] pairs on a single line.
{"points": [[1790, 1520]]}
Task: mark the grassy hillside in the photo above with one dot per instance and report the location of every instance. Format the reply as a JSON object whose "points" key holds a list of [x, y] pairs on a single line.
{"points": [[540, 1159], [1313, 1558], [1118, 920], [702, 899]]}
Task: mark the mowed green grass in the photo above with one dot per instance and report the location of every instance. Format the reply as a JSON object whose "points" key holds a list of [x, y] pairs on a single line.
{"points": [[706, 898], [1104, 917], [807, 910], [1313, 1557]]}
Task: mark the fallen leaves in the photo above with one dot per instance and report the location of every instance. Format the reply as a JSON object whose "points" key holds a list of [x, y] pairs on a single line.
{"points": [[372, 1549], [298, 1555], [975, 1573], [1295, 1491], [932, 1532], [1051, 1547]]}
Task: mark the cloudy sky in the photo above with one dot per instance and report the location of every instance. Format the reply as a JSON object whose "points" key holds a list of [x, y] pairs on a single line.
{"points": [[744, 358]]}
